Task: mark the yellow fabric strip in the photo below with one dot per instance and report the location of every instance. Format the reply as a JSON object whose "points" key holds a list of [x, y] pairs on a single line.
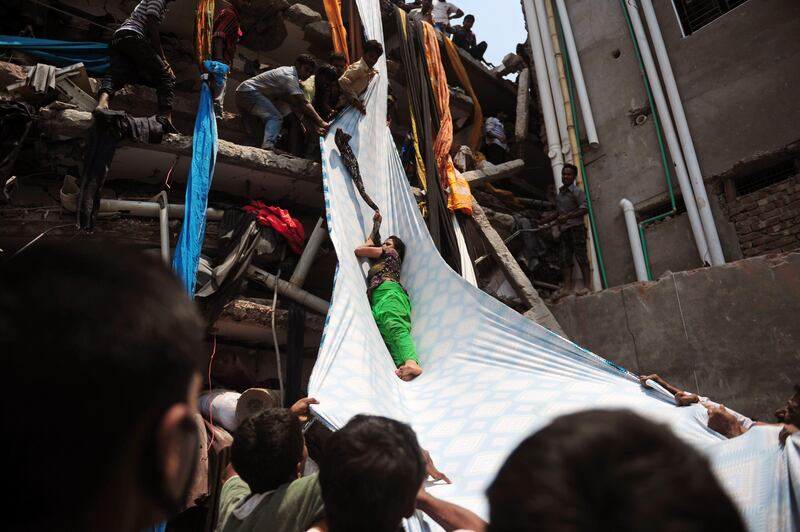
{"points": [[423, 178], [458, 66], [459, 198]]}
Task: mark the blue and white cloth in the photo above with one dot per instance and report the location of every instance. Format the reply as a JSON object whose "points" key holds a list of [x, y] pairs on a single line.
{"points": [[491, 377]]}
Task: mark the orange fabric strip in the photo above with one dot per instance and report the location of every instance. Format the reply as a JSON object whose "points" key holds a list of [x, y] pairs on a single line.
{"points": [[460, 197], [203, 26], [333, 9], [458, 66]]}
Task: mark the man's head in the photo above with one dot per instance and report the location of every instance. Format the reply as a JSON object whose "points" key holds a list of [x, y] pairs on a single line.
{"points": [[394, 242], [106, 351], [306, 66], [790, 413], [608, 470], [269, 450], [373, 51], [370, 475], [469, 21], [326, 74], [339, 62], [427, 6], [568, 174]]}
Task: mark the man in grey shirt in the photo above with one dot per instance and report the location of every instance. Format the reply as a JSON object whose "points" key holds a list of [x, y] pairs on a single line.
{"points": [[570, 208], [265, 99]]}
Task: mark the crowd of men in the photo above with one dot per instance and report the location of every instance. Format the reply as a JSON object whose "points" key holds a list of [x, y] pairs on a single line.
{"points": [[103, 377]]}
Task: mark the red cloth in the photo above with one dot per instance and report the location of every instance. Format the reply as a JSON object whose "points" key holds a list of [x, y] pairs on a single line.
{"points": [[228, 28], [280, 220]]}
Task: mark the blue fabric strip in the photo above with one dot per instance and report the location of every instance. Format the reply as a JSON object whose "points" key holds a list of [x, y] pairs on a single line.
{"points": [[201, 173], [93, 55]]}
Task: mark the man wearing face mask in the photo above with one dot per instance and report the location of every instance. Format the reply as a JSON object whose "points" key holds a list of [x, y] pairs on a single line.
{"points": [[102, 352]]}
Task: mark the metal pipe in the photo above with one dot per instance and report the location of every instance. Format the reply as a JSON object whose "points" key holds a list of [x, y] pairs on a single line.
{"points": [[633, 236], [669, 133], [709, 226], [309, 254], [543, 88], [151, 209], [595, 266], [552, 76], [577, 73], [163, 219], [285, 288]]}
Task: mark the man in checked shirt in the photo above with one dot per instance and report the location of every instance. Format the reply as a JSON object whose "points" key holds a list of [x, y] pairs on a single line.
{"points": [[224, 40]]}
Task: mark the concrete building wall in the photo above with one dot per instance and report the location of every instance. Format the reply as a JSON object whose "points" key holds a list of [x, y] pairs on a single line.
{"points": [[738, 78], [730, 331]]}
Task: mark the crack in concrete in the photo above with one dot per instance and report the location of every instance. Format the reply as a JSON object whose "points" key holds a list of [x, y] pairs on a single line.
{"points": [[630, 332]]}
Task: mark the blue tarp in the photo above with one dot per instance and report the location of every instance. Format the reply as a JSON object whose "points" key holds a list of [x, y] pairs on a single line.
{"points": [[93, 55], [201, 173]]}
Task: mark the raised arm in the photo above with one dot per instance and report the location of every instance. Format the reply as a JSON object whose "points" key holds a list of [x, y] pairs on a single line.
{"points": [[372, 249], [448, 515]]}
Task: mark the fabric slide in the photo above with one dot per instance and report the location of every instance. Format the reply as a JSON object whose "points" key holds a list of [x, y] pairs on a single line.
{"points": [[491, 376]]}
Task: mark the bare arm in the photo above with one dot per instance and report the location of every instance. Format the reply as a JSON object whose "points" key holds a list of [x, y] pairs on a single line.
{"points": [[298, 101], [371, 249], [218, 49], [448, 515], [458, 14], [151, 27]]}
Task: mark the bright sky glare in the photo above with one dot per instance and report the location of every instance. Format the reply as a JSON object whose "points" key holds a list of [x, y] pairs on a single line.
{"points": [[498, 22]]}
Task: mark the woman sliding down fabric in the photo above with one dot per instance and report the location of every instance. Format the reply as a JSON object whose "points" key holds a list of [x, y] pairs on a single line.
{"points": [[391, 307]]}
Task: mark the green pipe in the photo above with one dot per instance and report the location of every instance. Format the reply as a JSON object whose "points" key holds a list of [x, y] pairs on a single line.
{"points": [[660, 135], [576, 122]]}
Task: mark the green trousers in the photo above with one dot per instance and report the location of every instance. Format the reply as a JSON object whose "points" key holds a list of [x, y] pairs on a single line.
{"points": [[392, 312]]}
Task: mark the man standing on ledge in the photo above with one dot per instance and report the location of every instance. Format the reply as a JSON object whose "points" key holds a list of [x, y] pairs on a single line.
{"points": [[137, 57], [571, 206]]}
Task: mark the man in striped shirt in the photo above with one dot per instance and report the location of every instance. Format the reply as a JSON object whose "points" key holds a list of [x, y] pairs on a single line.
{"points": [[137, 57]]}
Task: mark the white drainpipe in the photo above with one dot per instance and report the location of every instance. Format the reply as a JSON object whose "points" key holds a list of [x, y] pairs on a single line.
{"points": [[670, 136], [696, 175], [633, 235], [545, 97], [577, 74], [552, 74]]}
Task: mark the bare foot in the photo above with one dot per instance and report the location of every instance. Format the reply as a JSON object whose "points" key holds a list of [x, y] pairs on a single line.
{"points": [[102, 103], [408, 371]]}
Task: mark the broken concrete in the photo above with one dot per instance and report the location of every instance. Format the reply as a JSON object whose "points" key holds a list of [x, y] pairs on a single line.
{"points": [[730, 333], [302, 15], [70, 124]]}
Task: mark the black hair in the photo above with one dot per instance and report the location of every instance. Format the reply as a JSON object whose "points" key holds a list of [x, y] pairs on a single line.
{"points": [[306, 59], [608, 470], [571, 167], [373, 46], [399, 245], [327, 73], [99, 341], [370, 474], [337, 56], [469, 17], [267, 448]]}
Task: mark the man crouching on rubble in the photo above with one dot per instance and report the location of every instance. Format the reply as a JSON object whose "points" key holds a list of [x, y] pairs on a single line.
{"points": [[102, 351]]}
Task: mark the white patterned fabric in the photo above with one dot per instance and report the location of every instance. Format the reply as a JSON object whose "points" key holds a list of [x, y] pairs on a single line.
{"points": [[491, 377]]}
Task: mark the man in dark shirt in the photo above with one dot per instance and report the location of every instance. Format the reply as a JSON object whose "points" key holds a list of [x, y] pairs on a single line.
{"points": [[571, 206], [224, 40], [138, 57], [464, 38]]}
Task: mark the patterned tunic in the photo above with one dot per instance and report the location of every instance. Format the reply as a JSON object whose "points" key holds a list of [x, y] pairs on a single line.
{"points": [[386, 268]]}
